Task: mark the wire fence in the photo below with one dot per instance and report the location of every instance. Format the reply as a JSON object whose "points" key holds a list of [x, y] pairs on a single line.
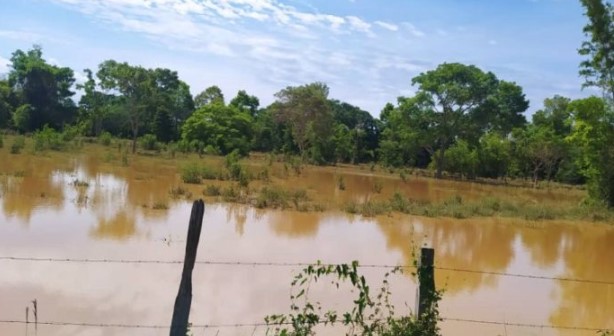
{"points": [[296, 264], [290, 264], [263, 324]]}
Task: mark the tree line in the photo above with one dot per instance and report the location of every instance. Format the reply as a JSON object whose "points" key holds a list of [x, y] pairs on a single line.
{"points": [[461, 120]]}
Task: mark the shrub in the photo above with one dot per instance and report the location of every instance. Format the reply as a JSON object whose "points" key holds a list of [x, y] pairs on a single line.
{"points": [[48, 138], [378, 186], [208, 173], [149, 142], [341, 183], [160, 205], [272, 197], [18, 144], [191, 173], [176, 192], [212, 190]]}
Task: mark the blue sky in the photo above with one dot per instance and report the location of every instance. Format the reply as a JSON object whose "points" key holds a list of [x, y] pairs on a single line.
{"points": [[367, 51]]}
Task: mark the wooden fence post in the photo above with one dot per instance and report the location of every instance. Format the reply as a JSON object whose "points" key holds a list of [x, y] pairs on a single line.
{"points": [[426, 281], [183, 302]]}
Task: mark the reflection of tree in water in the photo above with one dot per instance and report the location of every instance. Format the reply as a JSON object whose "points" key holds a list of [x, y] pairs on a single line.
{"points": [[22, 195], [544, 243], [237, 213], [120, 227], [588, 254], [463, 244], [295, 224]]}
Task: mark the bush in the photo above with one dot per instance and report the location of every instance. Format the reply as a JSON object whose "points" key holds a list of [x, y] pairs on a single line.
{"points": [[48, 138], [105, 138], [1, 141], [212, 190], [191, 173], [149, 142], [18, 144]]}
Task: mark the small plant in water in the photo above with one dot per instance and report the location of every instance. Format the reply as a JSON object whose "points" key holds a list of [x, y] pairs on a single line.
{"points": [[18, 144], [341, 183], [378, 186], [160, 205]]}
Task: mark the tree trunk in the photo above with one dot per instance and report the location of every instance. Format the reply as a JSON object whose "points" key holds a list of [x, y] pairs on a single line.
{"points": [[439, 161], [135, 132]]}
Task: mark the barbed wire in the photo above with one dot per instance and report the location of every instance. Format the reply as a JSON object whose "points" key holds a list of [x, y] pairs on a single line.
{"points": [[263, 324], [300, 264]]}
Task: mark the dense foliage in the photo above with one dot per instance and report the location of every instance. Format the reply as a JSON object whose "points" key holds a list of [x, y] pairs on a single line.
{"points": [[461, 120]]}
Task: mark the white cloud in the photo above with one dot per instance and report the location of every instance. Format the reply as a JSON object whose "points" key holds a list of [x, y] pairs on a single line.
{"points": [[387, 25], [358, 24], [413, 30]]}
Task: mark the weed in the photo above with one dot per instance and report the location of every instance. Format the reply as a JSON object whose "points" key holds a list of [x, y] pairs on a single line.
{"points": [[378, 186], [125, 161], [149, 142], [191, 173], [80, 183], [105, 138], [341, 183], [160, 205], [18, 144], [176, 192], [212, 190]]}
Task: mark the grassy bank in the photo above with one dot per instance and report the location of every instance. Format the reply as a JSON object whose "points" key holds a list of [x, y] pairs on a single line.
{"points": [[280, 182]]}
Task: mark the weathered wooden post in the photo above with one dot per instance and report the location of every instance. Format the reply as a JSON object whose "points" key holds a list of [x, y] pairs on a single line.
{"points": [[426, 281], [183, 302]]}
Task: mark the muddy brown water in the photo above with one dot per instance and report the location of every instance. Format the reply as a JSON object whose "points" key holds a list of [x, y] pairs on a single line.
{"points": [[44, 215]]}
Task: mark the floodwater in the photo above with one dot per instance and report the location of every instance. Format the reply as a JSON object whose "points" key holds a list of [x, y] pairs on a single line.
{"points": [[44, 215]]}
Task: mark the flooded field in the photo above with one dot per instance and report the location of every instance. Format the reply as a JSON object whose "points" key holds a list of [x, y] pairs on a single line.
{"points": [[87, 206]]}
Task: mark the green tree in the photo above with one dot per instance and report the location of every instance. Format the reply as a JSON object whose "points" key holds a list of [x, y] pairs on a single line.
{"points": [[540, 149], [148, 97], [363, 129], [406, 132], [461, 101], [6, 107], [224, 128], [554, 115], [598, 67], [45, 88], [306, 111], [494, 155], [593, 133], [461, 159], [245, 102], [211, 95]]}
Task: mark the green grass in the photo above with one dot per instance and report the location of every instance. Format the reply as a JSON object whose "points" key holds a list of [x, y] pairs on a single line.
{"points": [[457, 207]]}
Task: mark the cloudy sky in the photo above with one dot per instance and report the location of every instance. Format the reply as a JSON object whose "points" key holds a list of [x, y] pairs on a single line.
{"points": [[367, 51]]}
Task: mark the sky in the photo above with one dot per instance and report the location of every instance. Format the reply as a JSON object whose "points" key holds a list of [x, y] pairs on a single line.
{"points": [[367, 51]]}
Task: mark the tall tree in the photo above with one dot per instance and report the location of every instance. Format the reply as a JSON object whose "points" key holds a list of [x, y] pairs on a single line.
{"points": [[598, 67], [462, 101], [555, 115], [593, 133], [44, 87], [307, 112], [134, 84], [6, 107], [245, 102], [211, 95]]}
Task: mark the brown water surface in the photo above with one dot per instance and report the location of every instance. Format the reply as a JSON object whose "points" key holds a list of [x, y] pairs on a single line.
{"points": [[44, 215]]}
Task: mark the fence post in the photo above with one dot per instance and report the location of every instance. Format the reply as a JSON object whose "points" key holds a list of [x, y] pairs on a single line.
{"points": [[183, 302], [426, 281]]}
